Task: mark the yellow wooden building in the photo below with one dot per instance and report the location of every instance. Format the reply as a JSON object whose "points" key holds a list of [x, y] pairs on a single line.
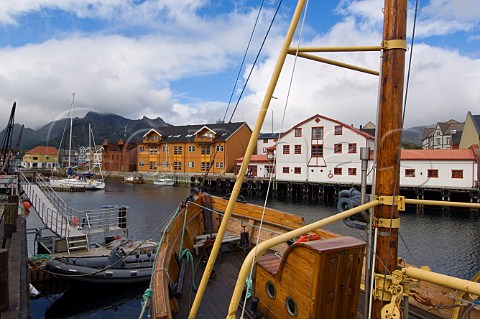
{"points": [[193, 149], [41, 157]]}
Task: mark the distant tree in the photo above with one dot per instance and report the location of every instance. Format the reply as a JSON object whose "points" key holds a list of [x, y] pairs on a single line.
{"points": [[410, 146]]}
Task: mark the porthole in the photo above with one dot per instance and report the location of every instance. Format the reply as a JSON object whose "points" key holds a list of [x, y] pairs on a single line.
{"points": [[291, 306], [271, 291]]}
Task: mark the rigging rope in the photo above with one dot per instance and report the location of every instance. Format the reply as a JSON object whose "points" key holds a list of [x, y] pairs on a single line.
{"points": [[243, 61], [256, 59], [249, 278]]}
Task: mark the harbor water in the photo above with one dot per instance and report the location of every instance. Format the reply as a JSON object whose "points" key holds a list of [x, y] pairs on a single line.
{"points": [[448, 242]]}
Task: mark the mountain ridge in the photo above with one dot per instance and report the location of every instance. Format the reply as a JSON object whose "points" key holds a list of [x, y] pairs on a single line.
{"points": [[104, 126]]}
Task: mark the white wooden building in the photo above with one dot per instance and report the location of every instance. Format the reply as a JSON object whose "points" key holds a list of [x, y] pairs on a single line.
{"points": [[321, 149], [454, 168], [265, 140]]}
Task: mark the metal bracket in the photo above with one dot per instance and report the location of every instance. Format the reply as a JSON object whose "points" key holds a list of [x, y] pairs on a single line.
{"points": [[394, 44], [388, 223], [388, 200]]}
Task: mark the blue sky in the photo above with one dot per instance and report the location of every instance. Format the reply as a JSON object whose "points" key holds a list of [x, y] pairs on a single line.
{"points": [[179, 60]]}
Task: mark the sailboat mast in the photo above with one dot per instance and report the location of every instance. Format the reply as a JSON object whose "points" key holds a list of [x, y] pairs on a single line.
{"points": [[71, 124], [388, 135]]}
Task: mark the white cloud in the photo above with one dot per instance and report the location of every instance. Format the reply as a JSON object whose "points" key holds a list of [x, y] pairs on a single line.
{"points": [[132, 76]]}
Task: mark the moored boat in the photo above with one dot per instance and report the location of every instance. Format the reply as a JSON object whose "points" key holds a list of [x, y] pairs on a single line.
{"points": [[118, 267], [164, 181], [133, 179]]}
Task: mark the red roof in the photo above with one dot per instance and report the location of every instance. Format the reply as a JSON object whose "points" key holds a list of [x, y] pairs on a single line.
{"points": [[43, 150], [255, 158], [436, 155]]}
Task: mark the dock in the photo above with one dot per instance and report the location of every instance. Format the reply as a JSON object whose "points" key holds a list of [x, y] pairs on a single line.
{"points": [[14, 285]]}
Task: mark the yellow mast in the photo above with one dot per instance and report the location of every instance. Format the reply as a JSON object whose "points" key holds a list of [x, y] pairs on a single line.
{"points": [[250, 149]]}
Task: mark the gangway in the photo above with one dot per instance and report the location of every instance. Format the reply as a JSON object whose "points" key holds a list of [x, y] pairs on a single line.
{"points": [[72, 226]]}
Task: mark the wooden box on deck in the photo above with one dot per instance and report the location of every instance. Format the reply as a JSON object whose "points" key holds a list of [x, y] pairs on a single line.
{"points": [[321, 279]]}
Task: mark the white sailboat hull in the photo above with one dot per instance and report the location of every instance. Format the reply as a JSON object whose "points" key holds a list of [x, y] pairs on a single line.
{"points": [[164, 182], [93, 185]]}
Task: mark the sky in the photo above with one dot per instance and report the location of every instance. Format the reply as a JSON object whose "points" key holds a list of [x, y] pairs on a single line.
{"points": [[180, 60]]}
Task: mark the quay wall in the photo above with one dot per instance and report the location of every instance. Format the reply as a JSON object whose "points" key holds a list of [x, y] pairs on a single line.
{"points": [[325, 193], [13, 246], [322, 192]]}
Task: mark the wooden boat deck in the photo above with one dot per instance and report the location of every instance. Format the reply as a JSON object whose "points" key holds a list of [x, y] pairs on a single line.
{"points": [[219, 291]]}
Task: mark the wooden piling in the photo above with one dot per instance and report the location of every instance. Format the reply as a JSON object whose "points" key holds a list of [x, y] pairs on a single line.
{"points": [[4, 295], [10, 219]]}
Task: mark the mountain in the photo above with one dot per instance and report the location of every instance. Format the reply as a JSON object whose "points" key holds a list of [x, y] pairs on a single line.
{"points": [[104, 126], [414, 135]]}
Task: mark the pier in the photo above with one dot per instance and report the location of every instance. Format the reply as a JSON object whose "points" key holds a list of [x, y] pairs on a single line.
{"points": [[14, 286], [71, 227]]}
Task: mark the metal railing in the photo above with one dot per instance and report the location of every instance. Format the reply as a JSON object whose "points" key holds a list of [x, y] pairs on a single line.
{"points": [[56, 220], [62, 219]]}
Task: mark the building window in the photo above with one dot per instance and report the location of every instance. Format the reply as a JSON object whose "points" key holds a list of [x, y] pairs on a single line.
{"points": [[205, 166], [153, 165], [153, 150], [191, 149], [165, 148], [457, 173], [352, 171], [337, 171], [177, 150], [285, 170], [218, 164], [286, 149], [432, 173], [317, 150], [264, 150], [141, 164], [298, 132], [191, 164], [352, 148], [265, 140], [298, 149], [177, 166], [409, 172], [317, 133], [219, 148], [205, 149], [337, 148], [141, 149], [338, 130], [297, 170]]}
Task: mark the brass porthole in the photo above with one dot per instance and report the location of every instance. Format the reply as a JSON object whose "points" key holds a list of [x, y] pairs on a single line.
{"points": [[271, 291], [291, 307]]}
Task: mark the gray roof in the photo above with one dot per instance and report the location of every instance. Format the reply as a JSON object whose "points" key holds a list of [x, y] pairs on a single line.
{"points": [[186, 133], [476, 121], [269, 135]]}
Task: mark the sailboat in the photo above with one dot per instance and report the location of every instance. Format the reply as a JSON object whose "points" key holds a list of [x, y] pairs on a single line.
{"points": [[163, 179], [75, 180], [93, 184], [293, 270]]}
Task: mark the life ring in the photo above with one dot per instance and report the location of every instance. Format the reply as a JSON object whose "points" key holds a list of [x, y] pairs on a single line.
{"points": [[308, 237], [330, 175], [74, 221]]}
